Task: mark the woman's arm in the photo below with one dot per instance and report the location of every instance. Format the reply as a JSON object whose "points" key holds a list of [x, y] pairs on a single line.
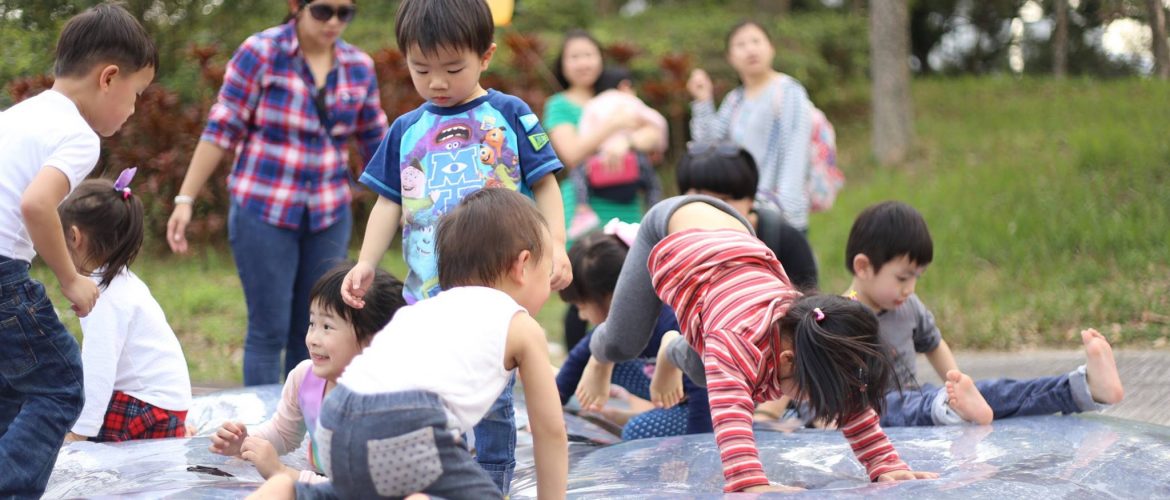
{"points": [[707, 125], [206, 158], [371, 121]]}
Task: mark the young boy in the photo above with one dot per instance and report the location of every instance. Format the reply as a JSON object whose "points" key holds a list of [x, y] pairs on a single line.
{"points": [[391, 427], [463, 139], [48, 144], [889, 247]]}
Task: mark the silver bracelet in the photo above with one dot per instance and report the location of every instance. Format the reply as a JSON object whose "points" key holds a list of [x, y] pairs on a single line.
{"points": [[184, 200]]}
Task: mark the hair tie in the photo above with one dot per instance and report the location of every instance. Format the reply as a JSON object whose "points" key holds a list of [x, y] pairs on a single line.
{"points": [[819, 313], [624, 231], [122, 185]]}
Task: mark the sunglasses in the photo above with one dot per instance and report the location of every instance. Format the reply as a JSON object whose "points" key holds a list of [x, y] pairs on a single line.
{"points": [[323, 12]]}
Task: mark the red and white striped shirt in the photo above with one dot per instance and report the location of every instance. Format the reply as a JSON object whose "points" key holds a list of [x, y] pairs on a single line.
{"points": [[728, 291]]}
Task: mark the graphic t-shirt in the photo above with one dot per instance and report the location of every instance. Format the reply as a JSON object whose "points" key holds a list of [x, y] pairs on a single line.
{"points": [[434, 156]]}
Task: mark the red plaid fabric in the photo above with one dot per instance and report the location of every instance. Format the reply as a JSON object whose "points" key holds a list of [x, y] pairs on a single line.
{"points": [[130, 418]]}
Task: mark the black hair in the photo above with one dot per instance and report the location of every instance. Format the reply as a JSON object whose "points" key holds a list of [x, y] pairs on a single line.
{"points": [[596, 259], [111, 222], [383, 298], [741, 25], [449, 24], [478, 241], [887, 231], [724, 169], [611, 78], [559, 63], [104, 34], [840, 363]]}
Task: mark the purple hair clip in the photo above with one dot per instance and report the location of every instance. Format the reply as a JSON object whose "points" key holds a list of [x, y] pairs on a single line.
{"points": [[122, 185], [819, 313]]}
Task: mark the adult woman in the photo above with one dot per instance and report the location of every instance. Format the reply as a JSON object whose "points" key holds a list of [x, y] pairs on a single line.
{"points": [[770, 116], [577, 68], [292, 97]]}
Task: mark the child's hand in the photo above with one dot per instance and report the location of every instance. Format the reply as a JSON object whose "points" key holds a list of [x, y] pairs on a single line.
{"points": [[906, 475], [772, 488], [562, 270], [82, 292], [593, 389], [228, 439], [73, 437], [279, 486], [355, 284], [263, 455]]}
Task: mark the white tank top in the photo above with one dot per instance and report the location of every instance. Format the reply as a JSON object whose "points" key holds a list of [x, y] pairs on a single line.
{"points": [[451, 345]]}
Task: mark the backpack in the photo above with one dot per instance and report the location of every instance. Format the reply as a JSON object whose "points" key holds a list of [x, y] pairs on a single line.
{"points": [[825, 179]]}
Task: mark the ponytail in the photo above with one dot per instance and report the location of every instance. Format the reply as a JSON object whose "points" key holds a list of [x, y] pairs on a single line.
{"points": [[841, 364]]}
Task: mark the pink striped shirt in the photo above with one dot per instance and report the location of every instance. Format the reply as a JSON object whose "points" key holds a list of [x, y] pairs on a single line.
{"points": [[728, 291]]}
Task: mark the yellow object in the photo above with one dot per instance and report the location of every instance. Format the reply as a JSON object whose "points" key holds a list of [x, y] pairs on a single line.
{"points": [[502, 11]]}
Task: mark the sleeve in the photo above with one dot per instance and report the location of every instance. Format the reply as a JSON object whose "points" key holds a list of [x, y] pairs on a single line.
{"points": [[871, 446], [537, 158], [104, 333], [570, 373], [791, 179], [709, 126], [286, 429], [383, 173], [730, 379], [75, 156], [239, 96], [372, 123], [796, 256], [926, 334], [557, 112]]}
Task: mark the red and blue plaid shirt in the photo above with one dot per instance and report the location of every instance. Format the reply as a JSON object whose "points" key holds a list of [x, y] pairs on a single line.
{"points": [[287, 160]]}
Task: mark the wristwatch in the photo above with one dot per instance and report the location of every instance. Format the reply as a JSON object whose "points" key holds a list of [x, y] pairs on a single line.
{"points": [[184, 200]]}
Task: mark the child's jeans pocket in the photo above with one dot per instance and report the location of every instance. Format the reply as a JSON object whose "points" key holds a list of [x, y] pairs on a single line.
{"points": [[16, 346], [404, 464]]}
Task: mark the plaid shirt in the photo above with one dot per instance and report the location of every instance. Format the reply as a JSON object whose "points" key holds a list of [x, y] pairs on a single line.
{"points": [[287, 160]]}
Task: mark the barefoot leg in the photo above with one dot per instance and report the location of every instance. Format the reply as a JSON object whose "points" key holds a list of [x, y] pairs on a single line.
{"points": [[1101, 369], [593, 389], [964, 398], [666, 386]]}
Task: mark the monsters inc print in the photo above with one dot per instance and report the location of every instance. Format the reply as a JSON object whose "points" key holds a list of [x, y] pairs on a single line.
{"points": [[434, 156]]}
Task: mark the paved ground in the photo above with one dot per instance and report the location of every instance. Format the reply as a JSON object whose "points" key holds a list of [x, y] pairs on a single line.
{"points": [[1145, 374]]}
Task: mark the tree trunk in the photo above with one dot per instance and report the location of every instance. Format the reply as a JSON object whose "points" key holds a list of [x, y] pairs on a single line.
{"points": [[889, 42], [1060, 40], [1158, 30]]}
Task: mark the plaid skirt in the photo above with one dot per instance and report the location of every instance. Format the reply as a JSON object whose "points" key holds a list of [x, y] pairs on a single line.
{"points": [[131, 418]]}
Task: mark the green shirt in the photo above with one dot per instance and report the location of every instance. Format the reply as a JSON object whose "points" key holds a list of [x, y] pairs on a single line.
{"points": [[559, 110]]}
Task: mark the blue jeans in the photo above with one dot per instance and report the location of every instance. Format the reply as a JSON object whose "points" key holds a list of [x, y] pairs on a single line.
{"points": [[1006, 397], [40, 383], [495, 440], [278, 268], [392, 445]]}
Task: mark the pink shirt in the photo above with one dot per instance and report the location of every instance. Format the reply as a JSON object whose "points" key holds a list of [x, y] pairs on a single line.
{"points": [[601, 106]]}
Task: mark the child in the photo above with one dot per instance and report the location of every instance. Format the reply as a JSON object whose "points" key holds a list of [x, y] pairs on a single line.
{"points": [[392, 425], [889, 248], [105, 59], [618, 183], [597, 261], [758, 338], [463, 139], [336, 334], [136, 381], [728, 172]]}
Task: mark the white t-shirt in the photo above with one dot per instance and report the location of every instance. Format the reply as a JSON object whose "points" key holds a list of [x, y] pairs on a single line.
{"points": [[451, 345], [45, 130], [128, 346]]}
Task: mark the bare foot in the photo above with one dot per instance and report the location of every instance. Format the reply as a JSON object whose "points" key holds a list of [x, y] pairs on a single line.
{"points": [[965, 399], [1100, 369], [593, 389], [666, 386]]}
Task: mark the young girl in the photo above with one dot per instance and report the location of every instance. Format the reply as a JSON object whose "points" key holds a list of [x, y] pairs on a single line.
{"points": [[336, 334], [757, 337], [597, 261], [392, 425], [135, 375]]}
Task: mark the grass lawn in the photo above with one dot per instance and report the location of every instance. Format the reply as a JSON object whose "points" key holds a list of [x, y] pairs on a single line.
{"points": [[1047, 202]]}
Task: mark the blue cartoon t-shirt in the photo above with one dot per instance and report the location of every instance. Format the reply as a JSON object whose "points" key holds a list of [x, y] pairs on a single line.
{"points": [[434, 156]]}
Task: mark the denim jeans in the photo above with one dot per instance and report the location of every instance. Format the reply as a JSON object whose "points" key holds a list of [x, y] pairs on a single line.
{"points": [[1006, 397], [40, 383], [278, 268], [495, 440], [392, 445]]}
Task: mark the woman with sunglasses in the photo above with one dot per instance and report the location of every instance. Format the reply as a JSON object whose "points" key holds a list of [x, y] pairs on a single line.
{"points": [[769, 115], [292, 98]]}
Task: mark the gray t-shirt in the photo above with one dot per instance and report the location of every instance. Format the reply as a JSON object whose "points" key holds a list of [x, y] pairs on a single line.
{"points": [[909, 330]]}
